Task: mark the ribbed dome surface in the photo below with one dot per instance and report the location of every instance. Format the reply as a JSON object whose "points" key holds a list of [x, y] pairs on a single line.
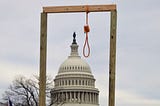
{"points": [[74, 64]]}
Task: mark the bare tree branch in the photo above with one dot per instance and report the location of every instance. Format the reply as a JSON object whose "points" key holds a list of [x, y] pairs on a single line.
{"points": [[24, 92]]}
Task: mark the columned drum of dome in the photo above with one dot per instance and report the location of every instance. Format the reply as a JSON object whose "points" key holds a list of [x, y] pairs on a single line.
{"points": [[74, 85]]}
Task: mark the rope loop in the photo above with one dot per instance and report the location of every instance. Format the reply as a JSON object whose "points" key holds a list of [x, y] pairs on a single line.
{"points": [[86, 46], [86, 30]]}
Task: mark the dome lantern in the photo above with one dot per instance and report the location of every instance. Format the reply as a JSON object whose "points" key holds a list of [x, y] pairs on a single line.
{"points": [[74, 46]]}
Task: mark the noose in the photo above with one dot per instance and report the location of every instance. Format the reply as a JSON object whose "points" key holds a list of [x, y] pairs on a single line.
{"points": [[86, 30]]}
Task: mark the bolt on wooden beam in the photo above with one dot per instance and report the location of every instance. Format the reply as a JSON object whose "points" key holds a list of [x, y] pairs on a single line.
{"points": [[83, 8]]}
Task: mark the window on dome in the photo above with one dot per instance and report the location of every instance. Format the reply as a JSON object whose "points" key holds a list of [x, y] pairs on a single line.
{"points": [[79, 82], [72, 82], [83, 82], [76, 82], [90, 83], [72, 94], [69, 82], [62, 82]]}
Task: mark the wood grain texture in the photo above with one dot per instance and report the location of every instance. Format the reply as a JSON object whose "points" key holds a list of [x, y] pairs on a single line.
{"points": [[43, 56], [83, 8], [112, 60]]}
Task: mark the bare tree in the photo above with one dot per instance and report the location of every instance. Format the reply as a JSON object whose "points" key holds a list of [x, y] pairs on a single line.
{"points": [[24, 92]]}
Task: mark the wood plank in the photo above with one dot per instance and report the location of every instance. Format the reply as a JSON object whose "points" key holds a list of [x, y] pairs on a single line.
{"points": [[112, 63], [82, 8], [43, 56]]}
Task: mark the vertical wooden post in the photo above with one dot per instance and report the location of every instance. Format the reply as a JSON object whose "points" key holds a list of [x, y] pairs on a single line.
{"points": [[112, 64], [43, 55]]}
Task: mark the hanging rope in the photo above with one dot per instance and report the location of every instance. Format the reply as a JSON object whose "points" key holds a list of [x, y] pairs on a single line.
{"points": [[86, 30]]}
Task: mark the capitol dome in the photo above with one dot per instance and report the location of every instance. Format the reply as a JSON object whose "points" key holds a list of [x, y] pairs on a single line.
{"points": [[74, 64], [74, 85]]}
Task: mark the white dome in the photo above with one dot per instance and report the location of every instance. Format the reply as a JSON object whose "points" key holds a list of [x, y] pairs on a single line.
{"points": [[74, 64]]}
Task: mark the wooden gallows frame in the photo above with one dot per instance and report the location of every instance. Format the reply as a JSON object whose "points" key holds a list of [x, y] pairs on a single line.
{"points": [[43, 44]]}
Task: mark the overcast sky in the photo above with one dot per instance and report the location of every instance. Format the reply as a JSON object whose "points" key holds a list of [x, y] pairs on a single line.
{"points": [[138, 45]]}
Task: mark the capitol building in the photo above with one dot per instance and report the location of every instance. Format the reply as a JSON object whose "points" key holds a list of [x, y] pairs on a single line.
{"points": [[74, 85]]}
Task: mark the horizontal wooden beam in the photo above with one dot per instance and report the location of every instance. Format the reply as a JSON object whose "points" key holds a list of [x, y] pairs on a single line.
{"points": [[82, 8]]}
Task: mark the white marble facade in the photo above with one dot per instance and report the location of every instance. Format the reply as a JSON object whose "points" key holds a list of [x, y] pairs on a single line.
{"points": [[74, 84]]}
